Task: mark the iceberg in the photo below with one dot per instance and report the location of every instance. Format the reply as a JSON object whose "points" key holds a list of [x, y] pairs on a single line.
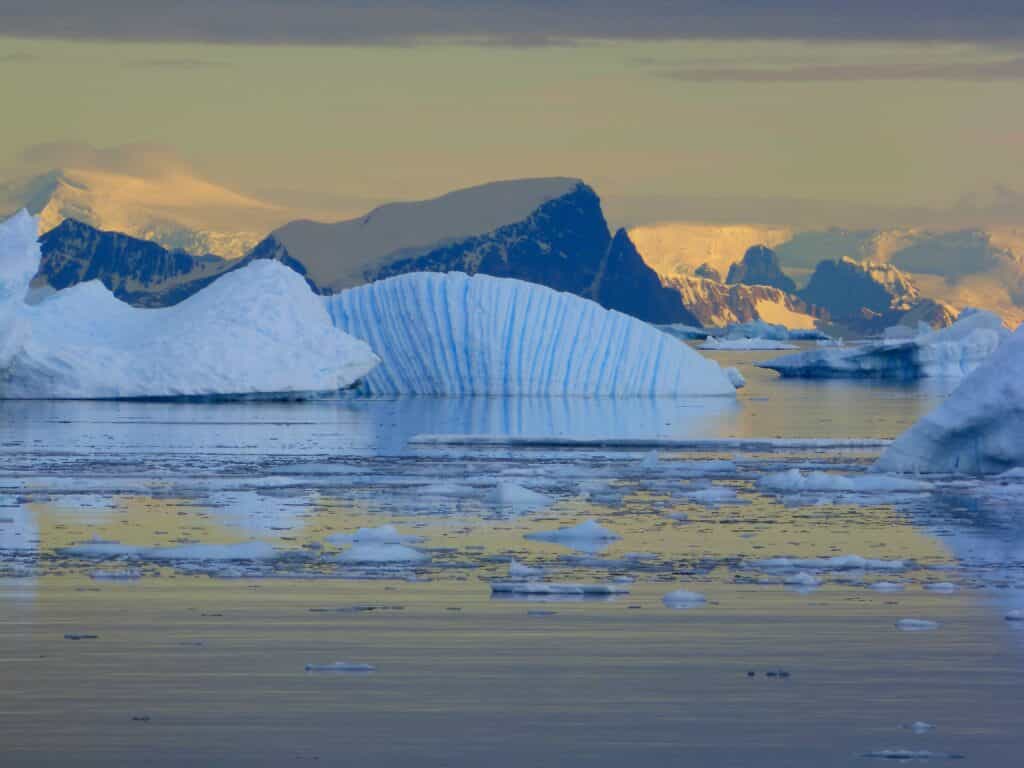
{"points": [[257, 331], [744, 345], [452, 334], [951, 352], [978, 429]]}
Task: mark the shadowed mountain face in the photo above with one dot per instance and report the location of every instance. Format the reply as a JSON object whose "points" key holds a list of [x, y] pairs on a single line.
{"points": [[760, 266], [137, 271], [561, 241]]}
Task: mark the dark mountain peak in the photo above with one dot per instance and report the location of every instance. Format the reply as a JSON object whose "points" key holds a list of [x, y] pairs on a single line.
{"points": [[760, 266], [708, 272]]}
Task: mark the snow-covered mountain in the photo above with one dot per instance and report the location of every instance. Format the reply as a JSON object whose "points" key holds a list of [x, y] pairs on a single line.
{"points": [[718, 305], [166, 204], [981, 268], [547, 231]]}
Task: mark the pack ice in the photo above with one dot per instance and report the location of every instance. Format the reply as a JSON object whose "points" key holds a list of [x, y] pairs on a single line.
{"points": [[979, 429], [259, 330], [452, 334], [951, 352]]}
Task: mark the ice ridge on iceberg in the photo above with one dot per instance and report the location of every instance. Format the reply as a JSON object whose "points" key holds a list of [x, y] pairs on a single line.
{"points": [[258, 331], [951, 352], [452, 334], [979, 429]]}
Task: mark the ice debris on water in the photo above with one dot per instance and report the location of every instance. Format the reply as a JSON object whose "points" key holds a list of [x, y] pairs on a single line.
{"points": [[585, 535], [795, 481], [384, 534], [340, 666], [886, 586], [942, 587], [549, 588], [518, 499], [919, 727], [682, 598], [517, 570], [912, 754], [1017, 614], [837, 563], [916, 625]]}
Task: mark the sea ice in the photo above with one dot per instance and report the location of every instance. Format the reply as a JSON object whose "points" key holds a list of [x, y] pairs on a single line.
{"points": [[951, 352], [837, 563], [384, 534], [736, 377], [517, 570], [1017, 614], [545, 588], [340, 666], [904, 755], [451, 334], [942, 587], [886, 586], [516, 498], [916, 625], [682, 598], [256, 331], [977, 430], [745, 345], [588, 536], [381, 553], [795, 481]]}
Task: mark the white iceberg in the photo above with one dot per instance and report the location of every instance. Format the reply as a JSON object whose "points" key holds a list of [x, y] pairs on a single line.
{"points": [[916, 625], [451, 334], [258, 330], [979, 429], [951, 352], [816, 481]]}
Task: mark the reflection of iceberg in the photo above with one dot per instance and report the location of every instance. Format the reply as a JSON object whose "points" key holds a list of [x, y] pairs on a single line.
{"points": [[256, 331], [451, 334], [950, 352], [979, 429]]}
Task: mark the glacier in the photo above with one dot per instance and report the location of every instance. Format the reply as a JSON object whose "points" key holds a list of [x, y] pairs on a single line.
{"points": [[951, 352], [452, 334], [259, 331], [978, 429]]}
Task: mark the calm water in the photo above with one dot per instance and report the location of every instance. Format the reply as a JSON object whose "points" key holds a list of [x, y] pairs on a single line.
{"points": [[200, 661]]}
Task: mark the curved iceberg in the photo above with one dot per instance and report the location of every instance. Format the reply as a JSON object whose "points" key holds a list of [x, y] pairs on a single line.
{"points": [[951, 352], [979, 429], [451, 334], [257, 331]]}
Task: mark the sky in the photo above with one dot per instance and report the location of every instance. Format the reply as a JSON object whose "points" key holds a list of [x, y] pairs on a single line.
{"points": [[794, 113]]}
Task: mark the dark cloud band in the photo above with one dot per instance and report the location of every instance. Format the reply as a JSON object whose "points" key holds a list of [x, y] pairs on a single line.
{"points": [[526, 22]]}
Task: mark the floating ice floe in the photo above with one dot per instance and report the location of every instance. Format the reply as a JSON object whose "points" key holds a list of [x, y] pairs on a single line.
{"points": [[919, 727], [713, 496], [795, 481], [916, 625], [905, 755], [745, 345], [837, 563], [951, 352], [682, 598], [384, 534], [545, 588], [736, 377], [886, 586], [802, 580], [516, 498], [1017, 614], [977, 429], [241, 551], [340, 666], [942, 587], [451, 334], [381, 553], [588, 536], [256, 331], [517, 570]]}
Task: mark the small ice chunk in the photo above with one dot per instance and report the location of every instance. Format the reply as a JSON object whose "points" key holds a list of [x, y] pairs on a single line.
{"points": [[650, 460], [517, 570], [1017, 614], [912, 754], [837, 563], [126, 574], [735, 377], [587, 532], [886, 586], [713, 495], [916, 625], [679, 517], [802, 579], [380, 553], [549, 588], [340, 666], [682, 598], [919, 727], [942, 587], [795, 481], [519, 498], [384, 534]]}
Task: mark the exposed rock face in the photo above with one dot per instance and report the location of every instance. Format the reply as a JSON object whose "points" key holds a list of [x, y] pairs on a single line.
{"points": [[563, 243], [718, 304], [136, 271], [760, 266], [708, 272]]}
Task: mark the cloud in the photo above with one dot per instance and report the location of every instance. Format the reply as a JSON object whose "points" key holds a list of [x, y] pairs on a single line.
{"points": [[965, 70], [526, 22], [131, 159]]}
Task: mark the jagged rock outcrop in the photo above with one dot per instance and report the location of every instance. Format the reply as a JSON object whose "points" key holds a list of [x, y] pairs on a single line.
{"points": [[717, 304], [760, 266]]}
